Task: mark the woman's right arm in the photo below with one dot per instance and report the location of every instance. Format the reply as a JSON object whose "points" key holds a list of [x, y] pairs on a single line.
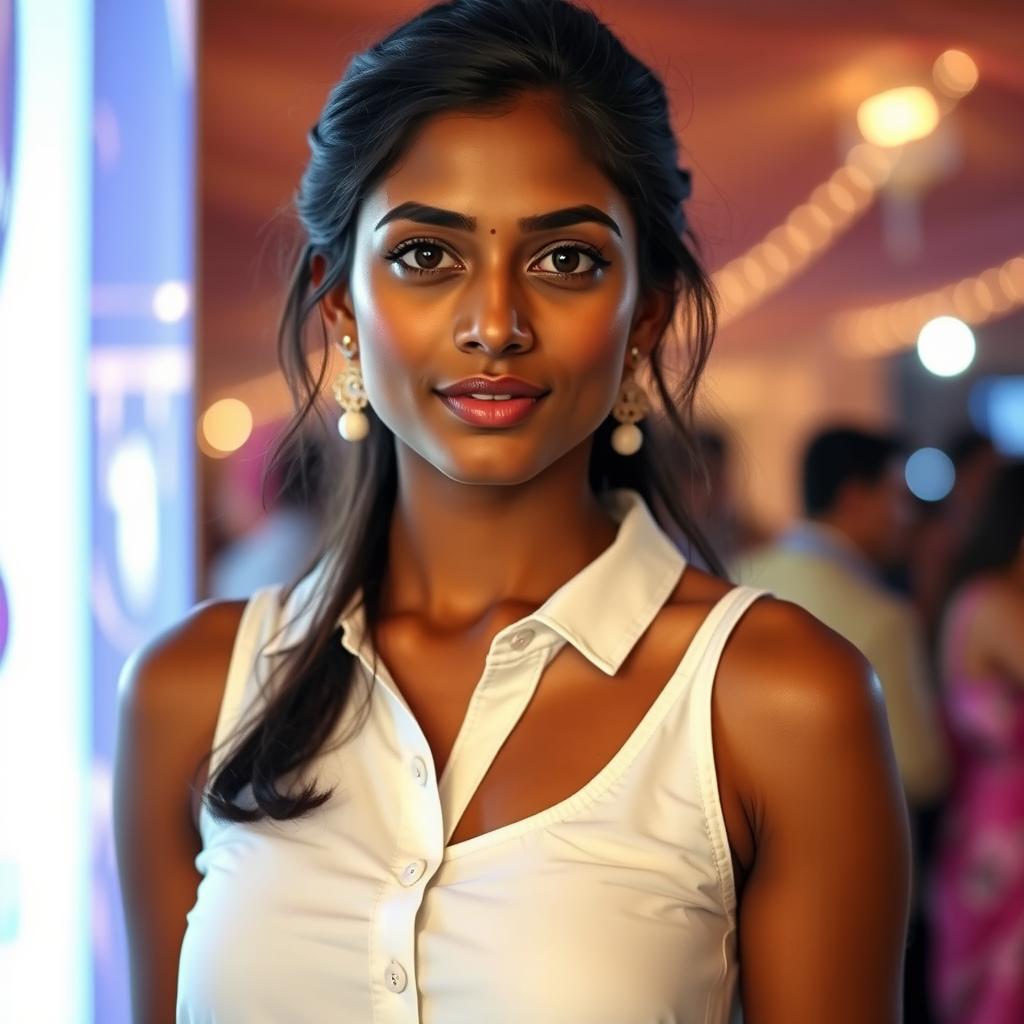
{"points": [[169, 698]]}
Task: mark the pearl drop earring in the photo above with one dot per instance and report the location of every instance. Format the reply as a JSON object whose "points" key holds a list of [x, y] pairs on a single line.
{"points": [[630, 407], [350, 394]]}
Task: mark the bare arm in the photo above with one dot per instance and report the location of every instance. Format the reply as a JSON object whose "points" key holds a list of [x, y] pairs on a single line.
{"points": [[169, 698], [823, 914]]}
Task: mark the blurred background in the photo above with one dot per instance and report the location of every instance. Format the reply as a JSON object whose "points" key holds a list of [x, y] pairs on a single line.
{"points": [[857, 194]]}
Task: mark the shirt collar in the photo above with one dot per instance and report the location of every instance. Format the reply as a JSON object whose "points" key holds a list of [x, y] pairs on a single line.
{"points": [[603, 610]]}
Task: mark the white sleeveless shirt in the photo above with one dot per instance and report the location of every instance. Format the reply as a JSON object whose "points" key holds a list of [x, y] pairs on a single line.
{"points": [[615, 906]]}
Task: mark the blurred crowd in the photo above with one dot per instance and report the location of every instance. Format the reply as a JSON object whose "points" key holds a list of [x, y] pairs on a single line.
{"points": [[931, 593]]}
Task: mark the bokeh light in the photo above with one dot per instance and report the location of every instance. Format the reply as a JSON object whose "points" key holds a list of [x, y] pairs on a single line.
{"points": [[898, 116], [225, 427], [946, 346], [171, 302], [930, 474], [955, 73]]}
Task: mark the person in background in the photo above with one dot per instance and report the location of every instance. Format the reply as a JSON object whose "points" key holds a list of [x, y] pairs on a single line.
{"points": [[976, 886], [833, 563], [857, 509], [942, 529]]}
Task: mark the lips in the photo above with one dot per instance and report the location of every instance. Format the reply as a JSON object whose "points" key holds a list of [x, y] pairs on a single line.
{"points": [[507, 412], [497, 387]]}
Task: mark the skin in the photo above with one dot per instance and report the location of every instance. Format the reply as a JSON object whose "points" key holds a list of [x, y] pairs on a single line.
{"points": [[486, 526], [876, 516]]}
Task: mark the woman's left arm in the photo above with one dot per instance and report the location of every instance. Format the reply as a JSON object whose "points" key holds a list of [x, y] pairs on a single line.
{"points": [[823, 913]]}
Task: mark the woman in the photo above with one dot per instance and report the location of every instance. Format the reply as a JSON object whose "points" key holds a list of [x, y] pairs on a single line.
{"points": [[977, 884], [470, 768]]}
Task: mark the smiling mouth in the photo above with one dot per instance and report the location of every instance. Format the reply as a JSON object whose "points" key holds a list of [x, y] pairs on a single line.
{"points": [[493, 411]]}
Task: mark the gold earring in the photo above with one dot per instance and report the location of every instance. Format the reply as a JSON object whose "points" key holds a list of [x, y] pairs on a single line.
{"points": [[630, 408], [350, 394]]}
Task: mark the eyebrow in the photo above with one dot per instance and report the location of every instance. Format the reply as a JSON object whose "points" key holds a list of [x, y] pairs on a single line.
{"points": [[438, 217]]}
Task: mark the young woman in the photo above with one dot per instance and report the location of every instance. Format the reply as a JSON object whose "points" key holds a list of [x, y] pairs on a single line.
{"points": [[471, 767], [977, 880]]}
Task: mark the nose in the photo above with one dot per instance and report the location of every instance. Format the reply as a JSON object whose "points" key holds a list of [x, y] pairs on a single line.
{"points": [[493, 322]]}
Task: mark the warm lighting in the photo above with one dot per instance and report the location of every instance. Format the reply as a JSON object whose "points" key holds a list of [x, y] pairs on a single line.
{"points": [[946, 346], [813, 222], [874, 163], [1011, 277], [955, 73], [226, 426], [774, 257], [898, 116], [754, 273]]}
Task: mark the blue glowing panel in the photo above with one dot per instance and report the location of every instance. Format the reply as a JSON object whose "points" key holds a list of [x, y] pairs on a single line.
{"points": [[7, 79], [45, 130], [140, 382]]}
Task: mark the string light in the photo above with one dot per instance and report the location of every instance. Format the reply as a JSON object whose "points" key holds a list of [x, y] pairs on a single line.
{"points": [[835, 205], [894, 326]]}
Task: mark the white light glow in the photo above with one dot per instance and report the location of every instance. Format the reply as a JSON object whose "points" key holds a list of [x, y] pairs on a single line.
{"points": [[946, 346], [171, 302], [45, 956]]}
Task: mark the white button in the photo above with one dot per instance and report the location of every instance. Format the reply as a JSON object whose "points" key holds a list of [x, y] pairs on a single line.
{"points": [[413, 872], [395, 976], [419, 770], [521, 639]]}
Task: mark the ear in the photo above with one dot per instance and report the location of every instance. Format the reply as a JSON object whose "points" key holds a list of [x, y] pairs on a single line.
{"points": [[651, 318], [335, 308]]}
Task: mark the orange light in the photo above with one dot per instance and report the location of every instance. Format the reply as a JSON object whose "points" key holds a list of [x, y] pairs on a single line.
{"points": [[898, 116]]}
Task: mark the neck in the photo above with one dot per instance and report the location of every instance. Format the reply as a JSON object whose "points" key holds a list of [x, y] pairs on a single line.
{"points": [[459, 550], [848, 531]]}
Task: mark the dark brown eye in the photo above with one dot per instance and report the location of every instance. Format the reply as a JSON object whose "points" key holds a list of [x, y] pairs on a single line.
{"points": [[427, 257], [565, 260]]}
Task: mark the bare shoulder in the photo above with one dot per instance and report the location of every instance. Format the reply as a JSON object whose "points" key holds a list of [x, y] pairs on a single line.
{"points": [[787, 681], [174, 684], [781, 653], [168, 703], [802, 718], [179, 665]]}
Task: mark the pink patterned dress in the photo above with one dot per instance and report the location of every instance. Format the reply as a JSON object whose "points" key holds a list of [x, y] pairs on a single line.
{"points": [[976, 884]]}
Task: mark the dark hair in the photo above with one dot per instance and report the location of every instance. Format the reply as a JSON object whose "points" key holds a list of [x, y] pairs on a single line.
{"points": [[996, 535], [838, 456], [465, 55], [965, 444]]}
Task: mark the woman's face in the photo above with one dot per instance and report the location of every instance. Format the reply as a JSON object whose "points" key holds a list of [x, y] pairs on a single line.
{"points": [[436, 298]]}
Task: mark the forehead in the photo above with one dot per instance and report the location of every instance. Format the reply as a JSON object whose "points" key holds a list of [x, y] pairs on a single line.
{"points": [[519, 162]]}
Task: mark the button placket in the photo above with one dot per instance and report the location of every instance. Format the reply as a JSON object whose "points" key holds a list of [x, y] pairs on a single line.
{"points": [[413, 872], [418, 767]]}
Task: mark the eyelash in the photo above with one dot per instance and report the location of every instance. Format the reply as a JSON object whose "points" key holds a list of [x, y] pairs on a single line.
{"points": [[395, 255]]}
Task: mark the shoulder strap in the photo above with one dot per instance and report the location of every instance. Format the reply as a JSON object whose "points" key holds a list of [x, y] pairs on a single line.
{"points": [[719, 624], [712, 634]]}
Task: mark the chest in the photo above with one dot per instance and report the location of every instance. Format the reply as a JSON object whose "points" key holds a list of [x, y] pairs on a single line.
{"points": [[576, 721]]}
